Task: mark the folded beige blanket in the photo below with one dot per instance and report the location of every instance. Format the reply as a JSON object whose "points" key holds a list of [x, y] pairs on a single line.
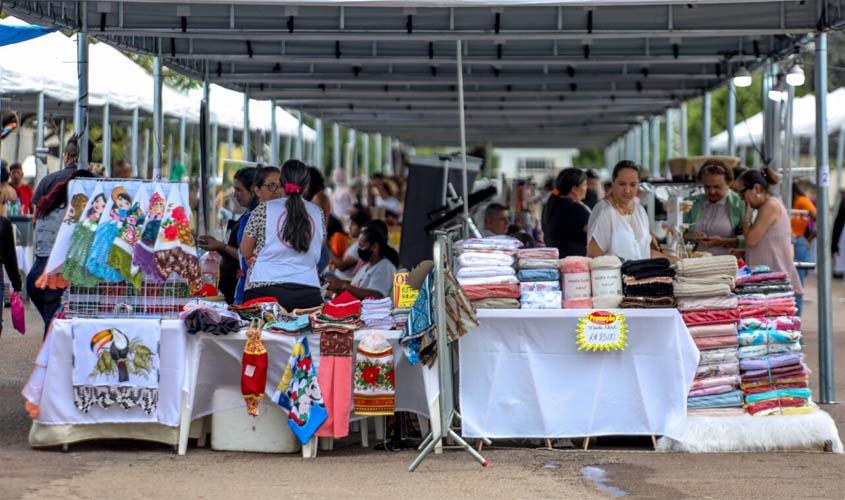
{"points": [[707, 266], [707, 303], [496, 303], [607, 301], [697, 290], [716, 279]]}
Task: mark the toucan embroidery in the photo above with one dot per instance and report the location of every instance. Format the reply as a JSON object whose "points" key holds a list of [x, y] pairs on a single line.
{"points": [[123, 355]]}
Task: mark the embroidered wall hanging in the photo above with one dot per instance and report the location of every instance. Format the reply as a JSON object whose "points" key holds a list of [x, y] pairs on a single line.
{"points": [[120, 255], [175, 249], [75, 268], [374, 387], [299, 393], [143, 257]]}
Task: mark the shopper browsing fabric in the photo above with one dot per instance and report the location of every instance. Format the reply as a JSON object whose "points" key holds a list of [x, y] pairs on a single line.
{"points": [[230, 266], [282, 243], [347, 264], [717, 215], [619, 225], [768, 239], [801, 234], [565, 217], [375, 278], [49, 213], [8, 261]]}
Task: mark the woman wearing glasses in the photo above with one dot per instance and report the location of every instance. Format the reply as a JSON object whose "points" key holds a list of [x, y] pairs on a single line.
{"points": [[282, 242], [768, 238]]}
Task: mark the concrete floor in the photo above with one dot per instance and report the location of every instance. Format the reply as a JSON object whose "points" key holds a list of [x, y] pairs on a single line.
{"points": [[129, 470]]}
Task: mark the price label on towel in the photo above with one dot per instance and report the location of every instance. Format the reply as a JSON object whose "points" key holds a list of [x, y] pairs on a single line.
{"points": [[602, 331], [403, 295]]}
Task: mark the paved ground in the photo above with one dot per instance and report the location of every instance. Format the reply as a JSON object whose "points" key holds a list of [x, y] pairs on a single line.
{"points": [[143, 471]]}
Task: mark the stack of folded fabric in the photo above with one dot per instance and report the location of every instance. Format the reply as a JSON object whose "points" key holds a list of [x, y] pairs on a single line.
{"points": [[765, 294], [485, 270], [339, 315], [400, 317], [776, 384], [539, 279], [376, 313], [703, 288], [647, 283], [577, 289], [606, 281]]}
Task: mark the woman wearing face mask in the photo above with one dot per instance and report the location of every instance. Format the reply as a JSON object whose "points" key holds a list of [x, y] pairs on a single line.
{"points": [[565, 217], [619, 225], [768, 239], [375, 278], [715, 220], [282, 242], [230, 266]]}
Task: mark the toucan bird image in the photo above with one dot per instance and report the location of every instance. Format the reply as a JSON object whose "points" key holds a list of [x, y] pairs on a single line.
{"points": [[119, 349]]}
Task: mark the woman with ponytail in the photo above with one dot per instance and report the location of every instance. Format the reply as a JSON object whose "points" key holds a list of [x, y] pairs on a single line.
{"points": [[282, 242], [768, 237]]}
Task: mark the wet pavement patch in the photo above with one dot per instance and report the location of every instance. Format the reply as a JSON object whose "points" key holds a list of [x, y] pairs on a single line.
{"points": [[598, 477]]}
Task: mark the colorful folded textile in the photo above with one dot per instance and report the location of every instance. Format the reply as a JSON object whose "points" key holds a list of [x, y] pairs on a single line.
{"points": [[687, 289], [756, 278], [374, 379], [717, 369], [484, 271], [299, 393], [768, 296], [538, 253], [800, 379], [778, 323], [491, 243], [539, 275], [647, 268], [751, 311], [727, 329], [539, 286], [803, 393], [707, 266], [541, 300], [701, 383], [492, 292], [715, 412], [775, 375], [758, 337], [342, 306], [538, 263], [494, 280], [716, 317], [785, 301], [667, 302], [709, 391], [577, 287], [294, 326], [475, 259], [792, 407], [772, 387], [727, 399], [707, 303], [705, 343], [718, 356], [774, 361], [758, 351], [496, 304]]}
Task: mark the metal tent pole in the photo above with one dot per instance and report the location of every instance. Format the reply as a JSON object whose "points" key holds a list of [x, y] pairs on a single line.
{"points": [[365, 154], [655, 146], [684, 131], [299, 145], [462, 124], [41, 162], [146, 173], [62, 129], [230, 142], [208, 171], [389, 160], [81, 114], [245, 135], [378, 153], [274, 135], [705, 124], [319, 145], [107, 138], [336, 146], [215, 150], [786, 151], [670, 135], [644, 144], [826, 394], [732, 118], [170, 149], [134, 140], [350, 144], [158, 117], [840, 155]]}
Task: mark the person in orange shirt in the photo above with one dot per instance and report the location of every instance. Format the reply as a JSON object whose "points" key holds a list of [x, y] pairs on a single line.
{"points": [[801, 236]]}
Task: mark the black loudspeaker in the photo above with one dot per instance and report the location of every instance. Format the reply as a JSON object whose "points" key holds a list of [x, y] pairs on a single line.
{"points": [[424, 195]]}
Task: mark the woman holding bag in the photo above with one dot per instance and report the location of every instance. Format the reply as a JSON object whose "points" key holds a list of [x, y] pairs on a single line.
{"points": [[9, 261]]}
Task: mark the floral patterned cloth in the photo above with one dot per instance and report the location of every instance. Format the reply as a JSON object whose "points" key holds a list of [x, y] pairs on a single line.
{"points": [[374, 386], [123, 249], [175, 250], [299, 393], [75, 267], [117, 209], [143, 257], [253, 371]]}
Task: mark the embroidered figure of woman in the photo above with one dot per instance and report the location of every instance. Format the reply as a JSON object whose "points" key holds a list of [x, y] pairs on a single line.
{"points": [[74, 269], [121, 253], [77, 207], [107, 230], [144, 257]]}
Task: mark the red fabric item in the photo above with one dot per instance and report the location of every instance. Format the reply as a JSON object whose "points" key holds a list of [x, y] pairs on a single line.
{"points": [[260, 300], [478, 292], [335, 379], [790, 373], [721, 342], [342, 306], [767, 310], [253, 371], [717, 317], [756, 278], [291, 188], [24, 197], [767, 405], [767, 388]]}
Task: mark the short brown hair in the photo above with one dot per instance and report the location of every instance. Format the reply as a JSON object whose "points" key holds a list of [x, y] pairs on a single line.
{"points": [[716, 167]]}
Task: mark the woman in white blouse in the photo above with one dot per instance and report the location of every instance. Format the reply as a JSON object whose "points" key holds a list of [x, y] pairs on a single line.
{"points": [[618, 225]]}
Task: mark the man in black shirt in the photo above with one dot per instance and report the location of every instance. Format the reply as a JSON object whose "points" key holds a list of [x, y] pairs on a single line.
{"points": [[69, 160]]}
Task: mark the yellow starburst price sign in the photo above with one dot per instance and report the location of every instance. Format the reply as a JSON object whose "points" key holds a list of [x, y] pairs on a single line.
{"points": [[602, 331]]}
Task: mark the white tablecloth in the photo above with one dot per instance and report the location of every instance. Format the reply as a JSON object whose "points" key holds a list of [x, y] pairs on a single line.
{"points": [[522, 376], [51, 383], [215, 362]]}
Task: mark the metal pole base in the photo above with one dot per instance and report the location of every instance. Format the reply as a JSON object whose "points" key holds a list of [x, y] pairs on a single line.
{"points": [[432, 442]]}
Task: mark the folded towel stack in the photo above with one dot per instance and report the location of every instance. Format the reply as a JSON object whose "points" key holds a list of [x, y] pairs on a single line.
{"points": [[647, 283], [539, 278], [606, 281], [704, 289], [376, 313], [485, 268], [577, 288]]}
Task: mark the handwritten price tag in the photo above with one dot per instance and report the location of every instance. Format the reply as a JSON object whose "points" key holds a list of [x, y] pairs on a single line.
{"points": [[602, 331]]}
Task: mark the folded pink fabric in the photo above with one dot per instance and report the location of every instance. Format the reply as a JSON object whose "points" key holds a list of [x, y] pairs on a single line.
{"points": [[705, 343], [578, 304], [754, 278], [752, 311], [707, 303], [701, 383], [539, 253], [717, 317], [707, 391], [717, 369], [713, 330]]}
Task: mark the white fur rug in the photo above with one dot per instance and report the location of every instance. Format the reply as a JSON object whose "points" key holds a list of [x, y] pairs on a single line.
{"points": [[755, 434]]}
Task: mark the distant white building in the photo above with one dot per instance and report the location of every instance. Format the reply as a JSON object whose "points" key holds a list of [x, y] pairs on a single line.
{"points": [[534, 163]]}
